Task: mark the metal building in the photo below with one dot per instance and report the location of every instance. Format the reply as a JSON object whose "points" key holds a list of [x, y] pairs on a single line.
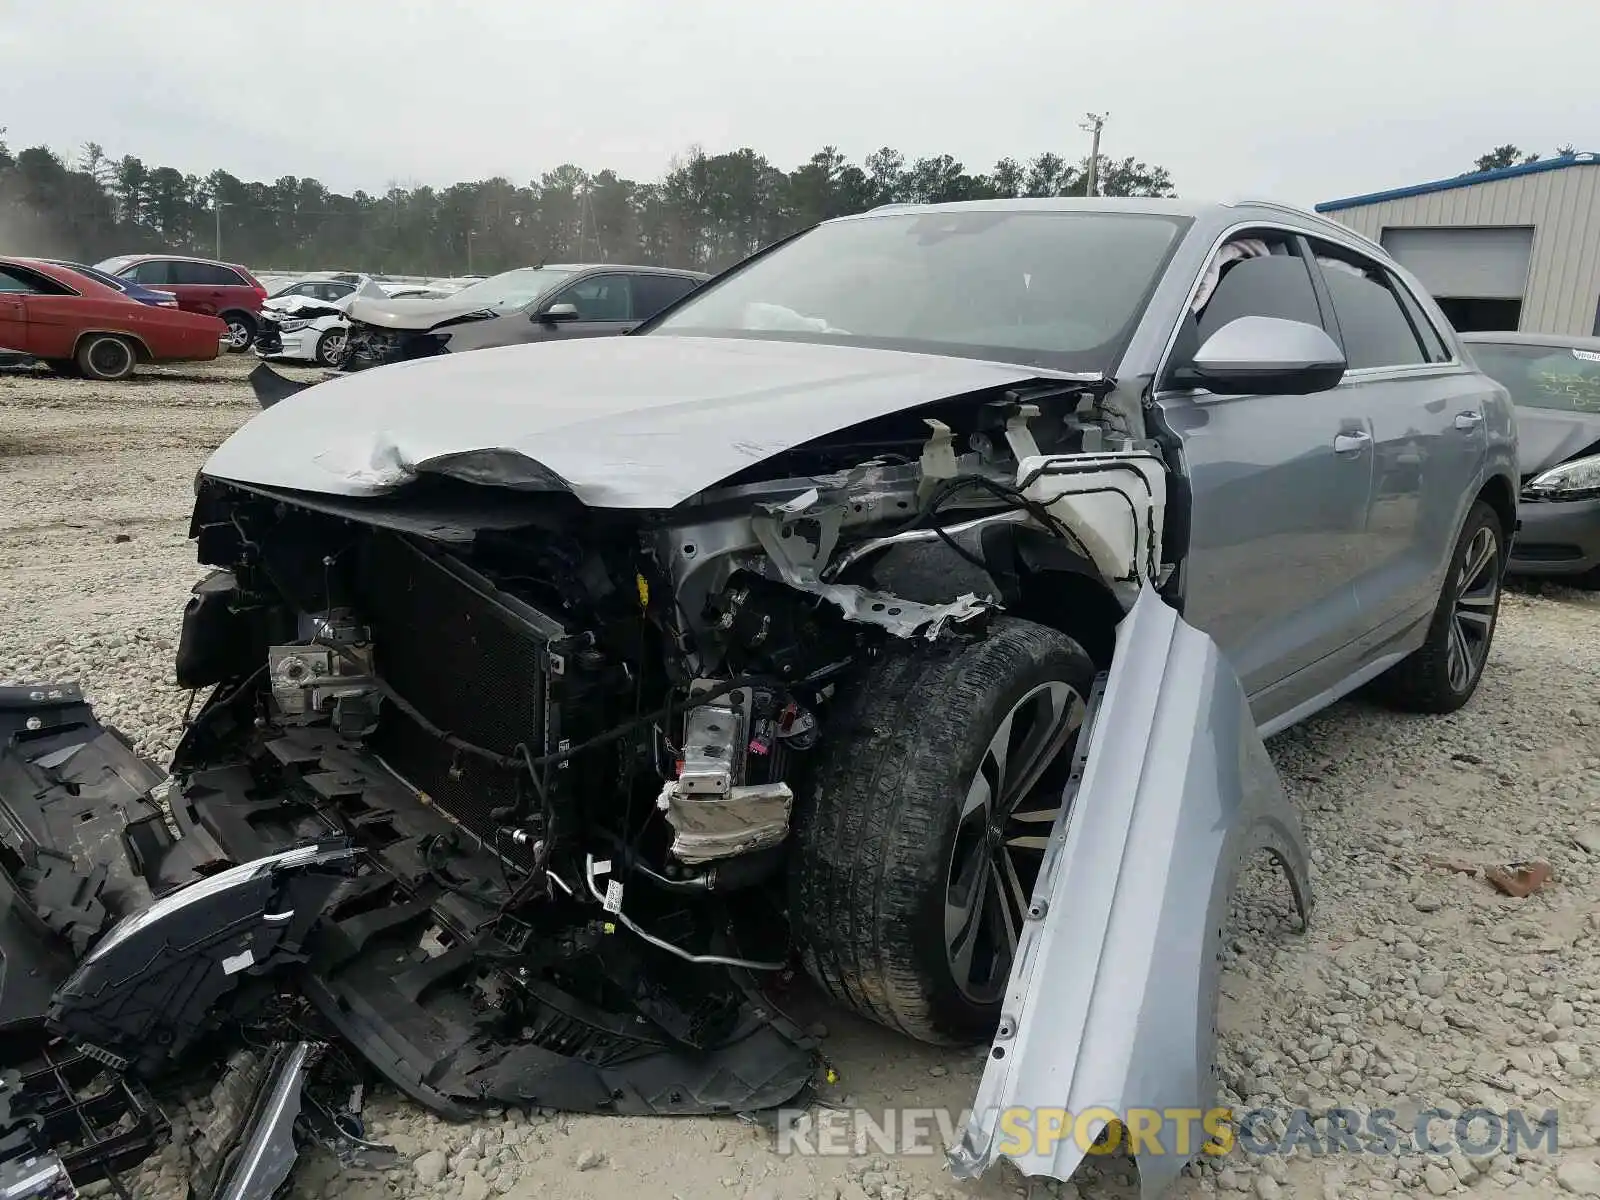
{"points": [[1514, 248]]}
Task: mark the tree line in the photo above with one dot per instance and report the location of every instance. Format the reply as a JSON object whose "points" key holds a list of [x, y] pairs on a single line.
{"points": [[1513, 156], [707, 211]]}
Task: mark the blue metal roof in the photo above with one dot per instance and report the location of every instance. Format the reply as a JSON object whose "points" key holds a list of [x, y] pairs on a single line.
{"points": [[1586, 158]]}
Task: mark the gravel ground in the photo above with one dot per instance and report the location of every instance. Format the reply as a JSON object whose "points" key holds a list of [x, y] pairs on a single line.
{"points": [[1417, 987]]}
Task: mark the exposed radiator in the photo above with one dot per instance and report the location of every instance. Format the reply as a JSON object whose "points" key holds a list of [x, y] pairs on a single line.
{"points": [[468, 662]]}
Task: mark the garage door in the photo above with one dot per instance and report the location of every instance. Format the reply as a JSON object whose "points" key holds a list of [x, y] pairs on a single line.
{"points": [[1488, 263]]}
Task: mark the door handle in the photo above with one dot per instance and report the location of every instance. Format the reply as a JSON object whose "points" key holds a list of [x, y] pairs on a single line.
{"points": [[1469, 420], [1351, 442]]}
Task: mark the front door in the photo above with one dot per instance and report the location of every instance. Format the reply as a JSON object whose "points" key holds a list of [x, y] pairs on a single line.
{"points": [[1279, 487], [604, 306]]}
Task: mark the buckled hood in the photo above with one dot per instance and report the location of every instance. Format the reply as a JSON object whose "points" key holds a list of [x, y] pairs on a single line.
{"points": [[634, 422]]}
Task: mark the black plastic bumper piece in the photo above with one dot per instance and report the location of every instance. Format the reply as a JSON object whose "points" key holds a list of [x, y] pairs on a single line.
{"points": [[60, 1105], [270, 387], [157, 980], [420, 1020]]}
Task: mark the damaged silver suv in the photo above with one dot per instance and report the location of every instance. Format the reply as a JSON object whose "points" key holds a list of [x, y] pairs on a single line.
{"points": [[908, 603]]}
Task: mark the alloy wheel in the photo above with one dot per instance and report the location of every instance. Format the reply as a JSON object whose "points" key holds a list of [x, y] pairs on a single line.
{"points": [[1006, 818], [238, 334], [332, 348], [1472, 619]]}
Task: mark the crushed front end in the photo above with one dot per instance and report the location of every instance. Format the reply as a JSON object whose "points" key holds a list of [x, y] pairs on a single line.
{"points": [[486, 720], [369, 345]]}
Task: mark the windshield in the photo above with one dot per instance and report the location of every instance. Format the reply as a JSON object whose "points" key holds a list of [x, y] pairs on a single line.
{"points": [[1544, 376], [114, 265], [1056, 289], [511, 289]]}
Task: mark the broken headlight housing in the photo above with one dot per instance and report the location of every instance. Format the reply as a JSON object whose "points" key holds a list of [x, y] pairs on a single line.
{"points": [[1575, 480]]}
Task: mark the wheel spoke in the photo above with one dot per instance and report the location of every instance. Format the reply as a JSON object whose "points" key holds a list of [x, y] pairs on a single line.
{"points": [[1457, 663], [999, 753], [1038, 844], [963, 913], [1472, 617], [1057, 713], [1480, 553], [1014, 887], [1002, 830], [980, 796], [1007, 922]]}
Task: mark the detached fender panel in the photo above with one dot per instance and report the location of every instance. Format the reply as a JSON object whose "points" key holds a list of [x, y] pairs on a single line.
{"points": [[1113, 997]]}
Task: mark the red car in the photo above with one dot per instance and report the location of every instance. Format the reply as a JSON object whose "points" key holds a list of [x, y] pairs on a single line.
{"points": [[201, 285], [80, 326]]}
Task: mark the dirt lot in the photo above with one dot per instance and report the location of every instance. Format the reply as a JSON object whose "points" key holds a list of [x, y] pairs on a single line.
{"points": [[1417, 988]]}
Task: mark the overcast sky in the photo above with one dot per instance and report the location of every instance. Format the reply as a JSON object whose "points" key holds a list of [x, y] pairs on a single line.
{"points": [[1286, 98]]}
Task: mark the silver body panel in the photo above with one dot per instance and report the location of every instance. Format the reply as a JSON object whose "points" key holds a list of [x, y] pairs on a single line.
{"points": [[1112, 1000]]}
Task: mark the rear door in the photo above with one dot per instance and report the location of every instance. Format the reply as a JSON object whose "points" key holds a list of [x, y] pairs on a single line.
{"points": [[604, 304], [212, 287], [238, 287], [1278, 489], [1429, 438]]}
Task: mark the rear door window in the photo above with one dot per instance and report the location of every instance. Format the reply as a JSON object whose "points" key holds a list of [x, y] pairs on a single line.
{"points": [[215, 275], [1374, 326], [190, 273], [652, 293]]}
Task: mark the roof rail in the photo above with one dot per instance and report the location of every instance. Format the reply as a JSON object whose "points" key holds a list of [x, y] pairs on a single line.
{"points": [[1307, 214]]}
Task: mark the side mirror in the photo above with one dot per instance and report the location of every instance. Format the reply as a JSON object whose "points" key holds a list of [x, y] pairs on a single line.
{"points": [[1257, 356], [558, 312]]}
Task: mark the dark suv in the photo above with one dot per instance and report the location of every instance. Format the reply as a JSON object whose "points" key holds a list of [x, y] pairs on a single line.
{"points": [[201, 285]]}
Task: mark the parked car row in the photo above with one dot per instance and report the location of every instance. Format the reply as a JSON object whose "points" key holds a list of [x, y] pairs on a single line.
{"points": [[80, 323], [304, 320], [217, 289], [375, 323]]}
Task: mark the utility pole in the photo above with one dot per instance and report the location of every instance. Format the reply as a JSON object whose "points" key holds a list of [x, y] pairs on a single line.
{"points": [[216, 210], [469, 252], [1094, 123]]}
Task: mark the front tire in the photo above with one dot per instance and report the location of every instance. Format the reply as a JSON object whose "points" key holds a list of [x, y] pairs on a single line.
{"points": [[330, 348], [920, 836], [241, 331], [105, 357], [1443, 673]]}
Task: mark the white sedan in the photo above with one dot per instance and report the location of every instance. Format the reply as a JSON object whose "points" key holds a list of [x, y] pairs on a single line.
{"points": [[308, 329]]}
